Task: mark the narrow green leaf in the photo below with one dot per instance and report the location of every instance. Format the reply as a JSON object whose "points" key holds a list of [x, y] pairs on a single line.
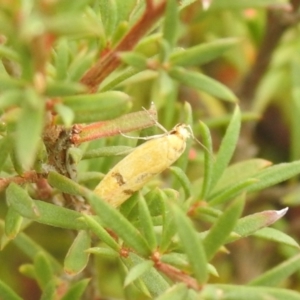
{"points": [[221, 229], [137, 271], [146, 222], [228, 193], [250, 224], [76, 290], [116, 222], [208, 159], [136, 60], [233, 4], [50, 291], [294, 111], [155, 283], [241, 171], [62, 59], [10, 98], [31, 120], [107, 151], [272, 234], [203, 53], [64, 88], [238, 292], [49, 214], [31, 249], [171, 22], [109, 15], [227, 147], [104, 252], [7, 293], [96, 107], [169, 229], [274, 175], [97, 229], [276, 275], [183, 179], [177, 260], [176, 292], [64, 184], [76, 258], [65, 113], [202, 83], [21, 202], [13, 221], [43, 269], [191, 244], [5, 146]]}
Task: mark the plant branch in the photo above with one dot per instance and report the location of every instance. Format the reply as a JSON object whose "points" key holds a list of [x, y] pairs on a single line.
{"points": [[111, 60]]}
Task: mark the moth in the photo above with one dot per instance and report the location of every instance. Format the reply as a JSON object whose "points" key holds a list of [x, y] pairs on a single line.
{"points": [[142, 164]]}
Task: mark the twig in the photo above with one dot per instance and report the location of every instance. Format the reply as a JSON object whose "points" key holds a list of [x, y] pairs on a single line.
{"points": [[111, 60]]}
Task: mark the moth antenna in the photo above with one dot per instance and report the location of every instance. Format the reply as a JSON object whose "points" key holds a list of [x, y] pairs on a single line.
{"points": [[146, 138], [201, 144], [152, 106]]}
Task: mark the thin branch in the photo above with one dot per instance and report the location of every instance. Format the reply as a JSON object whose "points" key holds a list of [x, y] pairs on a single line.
{"points": [[111, 60]]}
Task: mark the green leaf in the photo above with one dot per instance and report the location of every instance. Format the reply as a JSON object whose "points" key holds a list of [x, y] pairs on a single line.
{"points": [[97, 229], [10, 98], [240, 171], [203, 83], [137, 271], [31, 249], [13, 222], [155, 283], [31, 120], [228, 193], [276, 275], [43, 269], [76, 258], [64, 184], [208, 159], [21, 202], [242, 4], [109, 15], [107, 151], [227, 147], [272, 234], [136, 60], [76, 290], [7, 293], [146, 223], [5, 146], [64, 88], [294, 111], [183, 179], [250, 224], [65, 113], [171, 22], [47, 213], [274, 175], [191, 244], [221, 229], [176, 292], [50, 291], [62, 59], [116, 222], [238, 292], [203, 53], [96, 107], [104, 252]]}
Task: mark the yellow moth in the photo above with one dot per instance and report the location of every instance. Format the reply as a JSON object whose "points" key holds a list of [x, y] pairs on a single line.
{"points": [[146, 161]]}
